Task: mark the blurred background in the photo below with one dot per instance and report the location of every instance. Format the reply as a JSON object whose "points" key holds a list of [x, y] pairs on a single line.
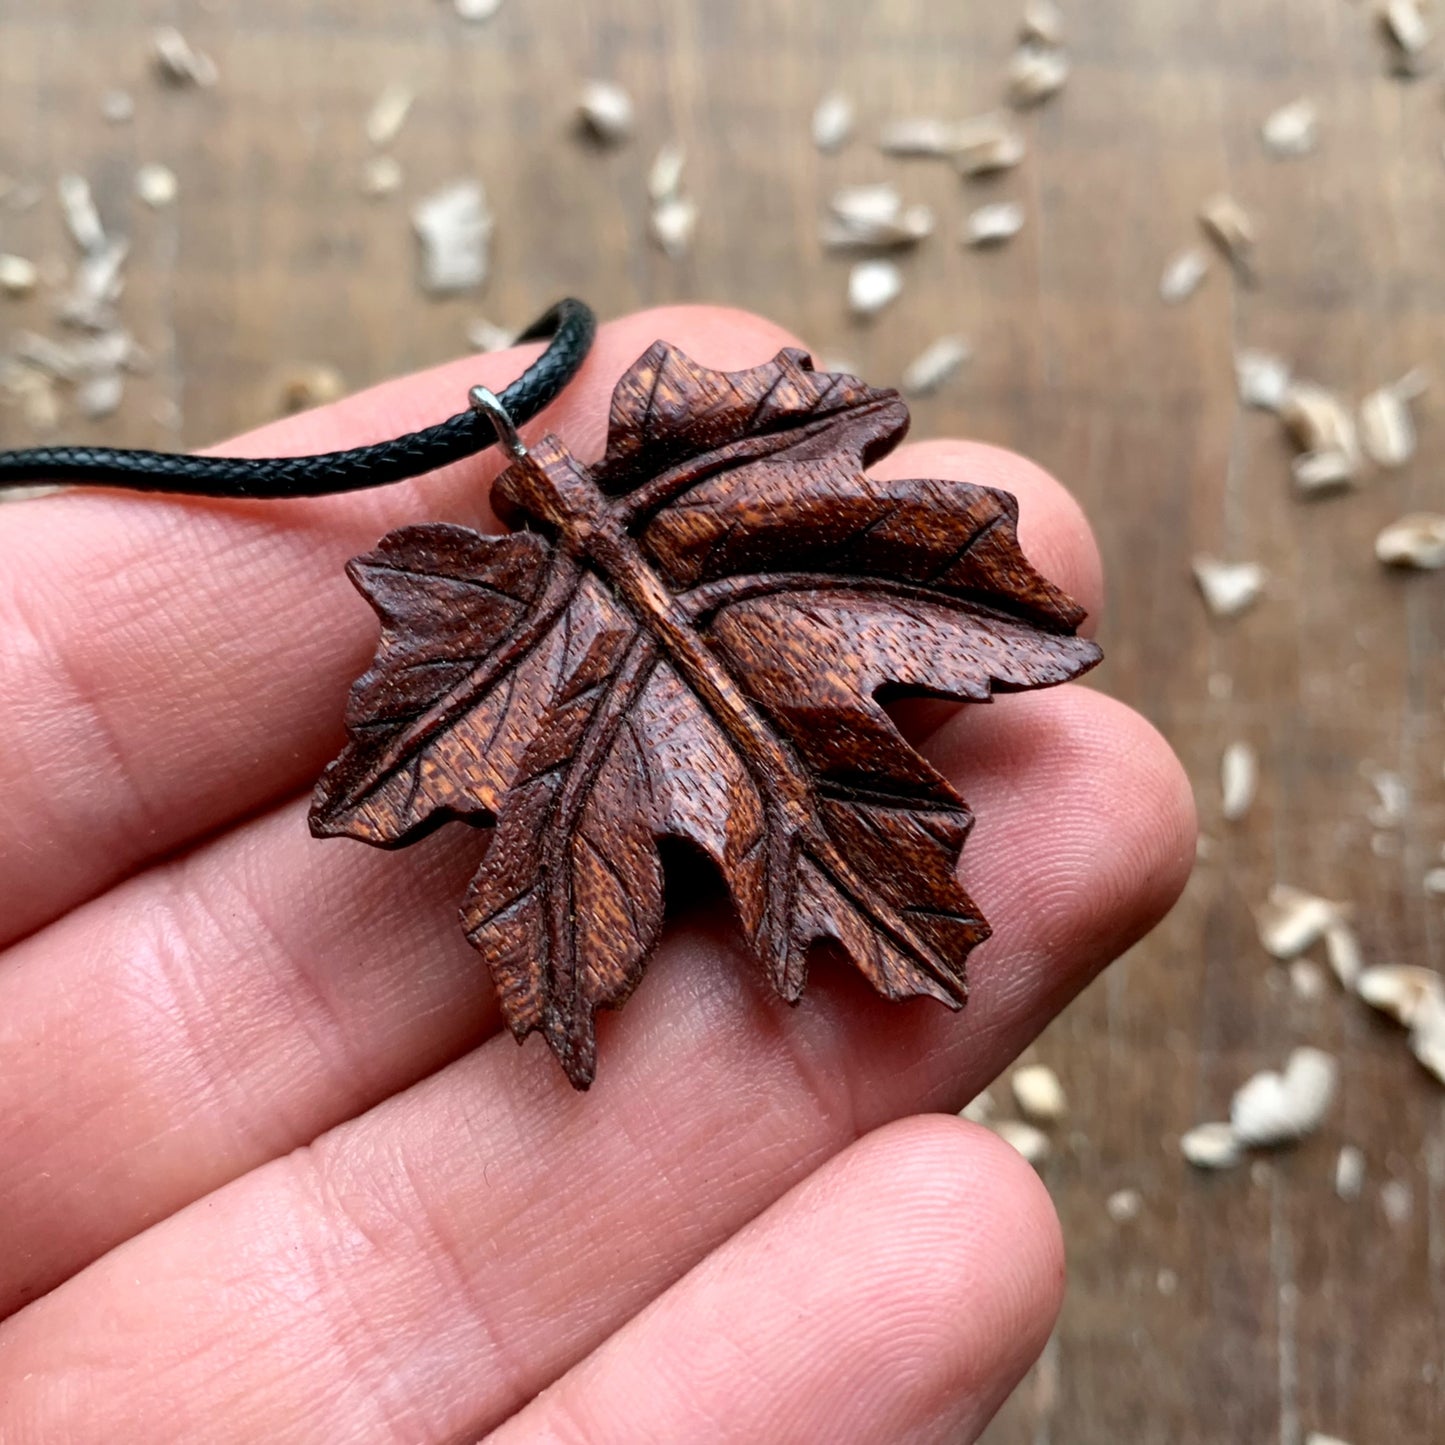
{"points": [[256, 175]]}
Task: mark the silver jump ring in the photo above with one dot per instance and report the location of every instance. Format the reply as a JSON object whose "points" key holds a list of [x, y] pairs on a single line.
{"points": [[487, 404]]}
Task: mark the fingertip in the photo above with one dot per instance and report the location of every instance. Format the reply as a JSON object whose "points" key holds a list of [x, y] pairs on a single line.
{"points": [[1085, 835], [993, 1237], [1136, 779], [961, 1268], [724, 337]]}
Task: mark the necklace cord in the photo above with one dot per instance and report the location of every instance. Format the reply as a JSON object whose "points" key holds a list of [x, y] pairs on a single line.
{"points": [[569, 326]]}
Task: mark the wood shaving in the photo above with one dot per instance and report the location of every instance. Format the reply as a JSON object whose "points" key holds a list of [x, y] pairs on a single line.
{"points": [[865, 205], [1349, 1173], [1211, 1146], [1427, 1035], [674, 215], [82, 219], [454, 227], [1239, 780], [871, 216], [986, 145], [39, 402], [1229, 588], [388, 114], [1292, 921], [77, 360], [1342, 950], [1306, 980], [1183, 275], [1036, 73], [93, 366], [1387, 428], [311, 384], [95, 288], [381, 176], [1293, 130], [922, 137], [1392, 795], [18, 276], [1322, 426], [476, 11], [1263, 379], [1032, 1143], [1275, 1108], [605, 110], [1414, 384], [1397, 1201], [873, 285], [156, 185], [1435, 882], [664, 176], [979, 1109], [673, 223], [1401, 990], [484, 335], [937, 362], [833, 122], [1317, 419], [117, 106], [993, 225], [1324, 471], [1039, 1094], [1043, 23], [1405, 23], [1230, 227], [1315, 1438], [179, 62], [98, 397], [1124, 1205], [1417, 540]]}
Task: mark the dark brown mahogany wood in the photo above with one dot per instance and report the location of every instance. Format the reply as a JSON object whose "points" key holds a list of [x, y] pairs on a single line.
{"points": [[686, 640]]}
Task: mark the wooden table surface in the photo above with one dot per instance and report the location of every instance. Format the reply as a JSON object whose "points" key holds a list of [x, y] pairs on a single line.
{"points": [[1253, 1305]]}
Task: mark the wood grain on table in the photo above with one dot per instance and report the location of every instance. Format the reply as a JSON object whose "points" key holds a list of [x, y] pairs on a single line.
{"points": [[1249, 1306]]}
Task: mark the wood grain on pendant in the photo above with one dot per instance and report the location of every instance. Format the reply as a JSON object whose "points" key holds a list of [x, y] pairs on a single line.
{"points": [[685, 640]]}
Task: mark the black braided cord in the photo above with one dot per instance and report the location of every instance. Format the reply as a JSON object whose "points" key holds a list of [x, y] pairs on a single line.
{"points": [[570, 325]]}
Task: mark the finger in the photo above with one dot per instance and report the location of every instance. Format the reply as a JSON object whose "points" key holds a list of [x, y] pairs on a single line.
{"points": [[900, 1293], [216, 1012], [168, 665], [430, 1266]]}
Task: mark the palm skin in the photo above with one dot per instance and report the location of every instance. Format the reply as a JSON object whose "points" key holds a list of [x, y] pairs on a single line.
{"points": [[268, 1170]]}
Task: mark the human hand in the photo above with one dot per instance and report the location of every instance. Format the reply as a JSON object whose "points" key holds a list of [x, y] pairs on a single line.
{"points": [[268, 1170]]}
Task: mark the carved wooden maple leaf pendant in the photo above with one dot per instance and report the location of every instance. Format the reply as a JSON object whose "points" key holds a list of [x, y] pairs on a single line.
{"points": [[686, 641]]}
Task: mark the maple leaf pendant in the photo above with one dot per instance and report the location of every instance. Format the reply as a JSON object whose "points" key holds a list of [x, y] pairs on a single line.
{"points": [[685, 640]]}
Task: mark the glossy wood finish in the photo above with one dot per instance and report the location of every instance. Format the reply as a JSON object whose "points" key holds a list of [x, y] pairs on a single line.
{"points": [[686, 643], [1231, 1308]]}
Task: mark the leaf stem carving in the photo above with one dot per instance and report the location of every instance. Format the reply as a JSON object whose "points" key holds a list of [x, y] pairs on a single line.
{"points": [[592, 529]]}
